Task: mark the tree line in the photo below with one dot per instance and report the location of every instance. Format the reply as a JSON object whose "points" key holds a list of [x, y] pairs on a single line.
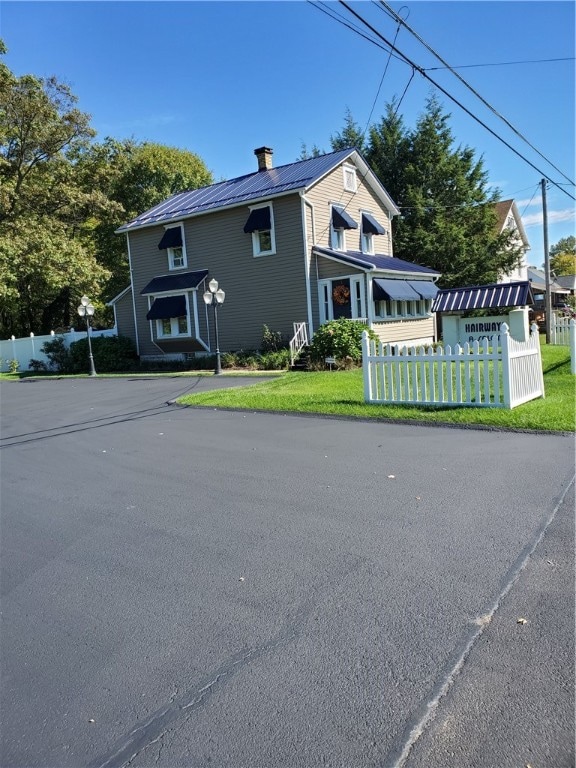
{"points": [[63, 194]]}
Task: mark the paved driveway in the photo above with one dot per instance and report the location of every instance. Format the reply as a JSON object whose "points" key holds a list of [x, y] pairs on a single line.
{"points": [[188, 587]]}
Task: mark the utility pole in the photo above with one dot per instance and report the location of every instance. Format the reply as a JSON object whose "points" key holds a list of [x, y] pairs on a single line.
{"points": [[546, 263]]}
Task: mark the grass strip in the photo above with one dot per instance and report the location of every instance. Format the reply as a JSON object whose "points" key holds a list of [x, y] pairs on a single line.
{"points": [[340, 393]]}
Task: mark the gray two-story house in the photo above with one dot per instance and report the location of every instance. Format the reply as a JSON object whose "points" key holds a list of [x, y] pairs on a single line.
{"points": [[303, 243]]}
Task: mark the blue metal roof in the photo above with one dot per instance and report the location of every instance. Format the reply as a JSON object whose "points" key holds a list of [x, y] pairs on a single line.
{"points": [[518, 294], [377, 262], [254, 186]]}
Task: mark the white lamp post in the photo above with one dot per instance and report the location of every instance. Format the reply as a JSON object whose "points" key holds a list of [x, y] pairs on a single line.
{"points": [[86, 309], [215, 296]]}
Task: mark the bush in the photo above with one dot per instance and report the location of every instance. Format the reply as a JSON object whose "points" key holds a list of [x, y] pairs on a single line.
{"points": [[272, 341], [37, 365], [341, 339], [58, 354], [13, 366], [111, 354]]}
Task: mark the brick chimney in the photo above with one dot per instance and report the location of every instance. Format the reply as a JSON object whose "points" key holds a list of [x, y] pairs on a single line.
{"points": [[264, 155]]}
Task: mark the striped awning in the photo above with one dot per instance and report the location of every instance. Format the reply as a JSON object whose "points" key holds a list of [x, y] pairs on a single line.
{"points": [[517, 294]]}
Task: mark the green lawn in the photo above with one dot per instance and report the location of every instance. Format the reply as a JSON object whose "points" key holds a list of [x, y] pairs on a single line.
{"points": [[341, 393]]}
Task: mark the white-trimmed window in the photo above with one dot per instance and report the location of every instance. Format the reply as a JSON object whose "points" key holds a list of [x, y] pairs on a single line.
{"points": [[350, 182], [260, 225], [391, 309], [367, 242], [172, 326], [337, 239], [173, 242]]}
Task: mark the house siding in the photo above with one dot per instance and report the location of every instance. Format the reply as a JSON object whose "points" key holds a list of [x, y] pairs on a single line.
{"points": [[405, 331], [124, 315], [260, 290]]}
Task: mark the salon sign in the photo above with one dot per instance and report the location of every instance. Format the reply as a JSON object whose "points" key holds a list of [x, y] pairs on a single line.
{"points": [[473, 328]]}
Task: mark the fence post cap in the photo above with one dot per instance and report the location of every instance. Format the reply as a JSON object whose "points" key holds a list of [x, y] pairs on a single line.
{"points": [[13, 338], [31, 335], [504, 328]]}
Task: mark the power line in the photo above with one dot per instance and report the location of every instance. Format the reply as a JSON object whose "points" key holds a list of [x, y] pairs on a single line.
{"points": [[448, 95], [400, 20], [499, 64]]}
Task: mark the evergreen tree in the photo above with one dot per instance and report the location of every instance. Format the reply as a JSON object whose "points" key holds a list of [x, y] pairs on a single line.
{"points": [[448, 219]]}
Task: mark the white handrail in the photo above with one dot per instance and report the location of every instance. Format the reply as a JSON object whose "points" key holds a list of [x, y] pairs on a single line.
{"points": [[298, 341]]}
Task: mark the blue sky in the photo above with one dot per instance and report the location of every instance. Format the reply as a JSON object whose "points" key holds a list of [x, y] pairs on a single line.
{"points": [[222, 78]]}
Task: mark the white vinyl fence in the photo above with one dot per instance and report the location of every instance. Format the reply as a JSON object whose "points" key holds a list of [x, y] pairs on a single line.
{"points": [[563, 333], [560, 330], [30, 347], [497, 372]]}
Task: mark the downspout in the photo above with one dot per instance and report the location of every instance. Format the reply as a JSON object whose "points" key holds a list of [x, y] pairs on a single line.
{"points": [[307, 259], [133, 296]]}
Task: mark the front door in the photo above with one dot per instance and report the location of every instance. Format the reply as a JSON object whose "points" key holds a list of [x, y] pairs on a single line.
{"points": [[341, 299]]}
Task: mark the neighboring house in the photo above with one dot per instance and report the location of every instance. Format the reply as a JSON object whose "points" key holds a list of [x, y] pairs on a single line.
{"points": [[302, 243], [509, 218], [568, 282], [537, 279]]}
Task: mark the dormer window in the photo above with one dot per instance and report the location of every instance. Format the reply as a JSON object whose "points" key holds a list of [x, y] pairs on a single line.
{"points": [[349, 178], [340, 221], [173, 243], [260, 225]]}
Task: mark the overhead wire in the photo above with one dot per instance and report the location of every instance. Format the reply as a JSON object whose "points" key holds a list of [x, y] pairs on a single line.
{"points": [[400, 20], [452, 98]]}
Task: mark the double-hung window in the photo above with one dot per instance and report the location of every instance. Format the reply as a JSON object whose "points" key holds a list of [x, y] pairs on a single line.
{"points": [[260, 225], [173, 243], [340, 221]]}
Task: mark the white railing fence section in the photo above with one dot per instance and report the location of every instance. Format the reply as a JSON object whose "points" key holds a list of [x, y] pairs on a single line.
{"points": [[560, 330], [298, 341], [499, 372], [30, 347], [563, 333]]}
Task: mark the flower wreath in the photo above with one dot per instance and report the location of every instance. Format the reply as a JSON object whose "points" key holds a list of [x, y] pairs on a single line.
{"points": [[341, 294]]}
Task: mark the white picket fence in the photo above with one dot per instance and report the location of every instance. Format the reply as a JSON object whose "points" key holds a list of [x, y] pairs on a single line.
{"points": [[563, 333], [497, 372], [30, 347]]}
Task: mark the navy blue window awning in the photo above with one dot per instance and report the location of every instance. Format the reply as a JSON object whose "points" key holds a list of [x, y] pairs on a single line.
{"points": [[342, 220], [259, 220], [182, 281], [401, 290], [167, 306], [425, 288], [370, 226], [172, 238]]}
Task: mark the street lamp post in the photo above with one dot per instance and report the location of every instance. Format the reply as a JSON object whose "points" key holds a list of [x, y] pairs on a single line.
{"points": [[86, 309], [215, 296]]}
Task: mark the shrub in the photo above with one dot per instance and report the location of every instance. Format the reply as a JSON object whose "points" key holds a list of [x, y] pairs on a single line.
{"points": [[37, 365], [111, 354], [341, 339], [272, 341], [13, 366], [58, 354]]}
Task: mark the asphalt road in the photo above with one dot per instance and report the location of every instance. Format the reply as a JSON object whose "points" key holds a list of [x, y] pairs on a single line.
{"points": [[191, 587]]}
